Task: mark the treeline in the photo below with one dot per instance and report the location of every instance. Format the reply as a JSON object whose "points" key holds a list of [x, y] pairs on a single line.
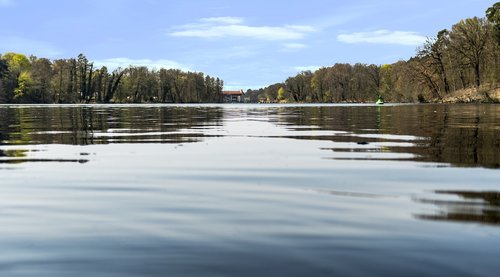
{"points": [[466, 56], [40, 80]]}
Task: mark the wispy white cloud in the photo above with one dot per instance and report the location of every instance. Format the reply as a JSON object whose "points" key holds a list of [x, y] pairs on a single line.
{"points": [[114, 63], [292, 47], [222, 20], [306, 68], [383, 37], [29, 47], [223, 27]]}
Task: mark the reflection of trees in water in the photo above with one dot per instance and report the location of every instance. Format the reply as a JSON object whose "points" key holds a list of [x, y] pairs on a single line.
{"points": [[100, 125], [468, 137], [18, 156], [479, 207], [15, 153], [463, 135]]}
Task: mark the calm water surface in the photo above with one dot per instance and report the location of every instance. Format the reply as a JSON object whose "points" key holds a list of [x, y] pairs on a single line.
{"points": [[250, 190]]}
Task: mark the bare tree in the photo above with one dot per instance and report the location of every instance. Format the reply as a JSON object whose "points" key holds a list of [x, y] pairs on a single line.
{"points": [[468, 39]]}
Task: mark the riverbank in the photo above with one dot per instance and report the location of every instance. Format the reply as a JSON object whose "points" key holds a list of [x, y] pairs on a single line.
{"points": [[472, 95]]}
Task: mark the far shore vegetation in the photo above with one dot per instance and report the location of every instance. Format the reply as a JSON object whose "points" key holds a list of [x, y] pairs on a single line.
{"points": [[461, 64]]}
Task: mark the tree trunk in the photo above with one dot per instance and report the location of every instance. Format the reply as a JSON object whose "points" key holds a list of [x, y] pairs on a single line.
{"points": [[443, 75], [477, 73], [89, 90]]}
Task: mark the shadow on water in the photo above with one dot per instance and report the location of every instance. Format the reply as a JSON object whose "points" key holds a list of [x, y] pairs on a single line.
{"points": [[465, 206]]}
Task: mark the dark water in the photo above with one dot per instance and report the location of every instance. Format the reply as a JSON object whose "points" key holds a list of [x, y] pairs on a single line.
{"points": [[241, 190]]}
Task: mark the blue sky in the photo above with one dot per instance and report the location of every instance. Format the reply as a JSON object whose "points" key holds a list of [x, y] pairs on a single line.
{"points": [[249, 44]]}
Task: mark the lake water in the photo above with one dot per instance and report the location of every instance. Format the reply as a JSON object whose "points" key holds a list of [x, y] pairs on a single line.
{"points": [[250, 190]]}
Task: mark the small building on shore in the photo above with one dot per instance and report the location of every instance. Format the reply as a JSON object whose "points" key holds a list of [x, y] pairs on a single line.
{"points": [[233, 96]]}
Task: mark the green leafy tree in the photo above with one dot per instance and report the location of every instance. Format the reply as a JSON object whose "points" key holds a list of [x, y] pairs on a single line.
{"points": [[4, 69], [17, 80], [17, 62], [386, 82], [493, 15], [23, 85], [281, 94], [318, 84]]}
